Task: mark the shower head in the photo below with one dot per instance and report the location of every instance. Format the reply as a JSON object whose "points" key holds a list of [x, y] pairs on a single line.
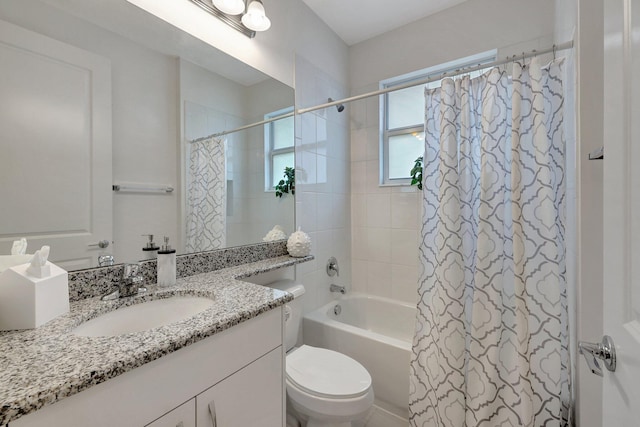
{"points": [[339, 107]]}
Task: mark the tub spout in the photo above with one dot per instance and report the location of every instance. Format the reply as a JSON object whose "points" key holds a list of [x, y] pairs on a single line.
{"points": [[336, 288]]}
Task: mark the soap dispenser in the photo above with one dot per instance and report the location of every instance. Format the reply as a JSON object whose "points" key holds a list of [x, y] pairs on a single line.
{"points": [[166, 265], [150, 251]]}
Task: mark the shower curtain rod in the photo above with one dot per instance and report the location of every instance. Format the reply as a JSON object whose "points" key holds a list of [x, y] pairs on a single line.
{"points": [[523, 56], [249, 126]]}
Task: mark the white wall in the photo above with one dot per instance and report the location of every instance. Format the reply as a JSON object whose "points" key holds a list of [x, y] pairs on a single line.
{"points": [[385, 220]]}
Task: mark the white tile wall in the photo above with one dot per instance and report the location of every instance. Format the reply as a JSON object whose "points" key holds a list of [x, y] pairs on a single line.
{"points": [[323, 183], [384, 220]]}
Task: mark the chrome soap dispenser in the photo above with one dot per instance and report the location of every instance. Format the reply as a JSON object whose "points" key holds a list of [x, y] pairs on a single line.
{"points": [[166, 265], [151, 249]]}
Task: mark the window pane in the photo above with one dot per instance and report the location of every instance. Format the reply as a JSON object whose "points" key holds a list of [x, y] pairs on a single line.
{"points": [[406, 107], [283, 133], [280, 161], [403, 152]]}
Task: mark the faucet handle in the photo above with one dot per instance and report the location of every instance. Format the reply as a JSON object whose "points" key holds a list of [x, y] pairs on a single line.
{"points": [[131, 271], [332, 267], [105, 260]]}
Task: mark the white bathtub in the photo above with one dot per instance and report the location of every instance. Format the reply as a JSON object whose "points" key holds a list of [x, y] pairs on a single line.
{"points": [[375, 331]]}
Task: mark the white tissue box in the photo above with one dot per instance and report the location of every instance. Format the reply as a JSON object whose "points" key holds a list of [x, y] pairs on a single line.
{"points": [[27, 302]]}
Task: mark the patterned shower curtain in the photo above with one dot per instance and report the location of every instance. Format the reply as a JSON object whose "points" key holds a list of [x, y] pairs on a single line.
{"points": [[491, 341], [206, 195]]}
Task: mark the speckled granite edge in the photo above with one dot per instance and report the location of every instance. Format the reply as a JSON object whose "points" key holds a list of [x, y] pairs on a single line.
{"points": [[41, 366], [94, 282]]}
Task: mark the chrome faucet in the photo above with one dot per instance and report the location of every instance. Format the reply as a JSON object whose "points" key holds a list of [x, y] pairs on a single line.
{"points": [[336, 288], [332, 267], [129, 284], [105, 260]]}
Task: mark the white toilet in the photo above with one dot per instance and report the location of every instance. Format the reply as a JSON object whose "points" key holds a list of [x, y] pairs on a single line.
{"points": [[324, 388]]}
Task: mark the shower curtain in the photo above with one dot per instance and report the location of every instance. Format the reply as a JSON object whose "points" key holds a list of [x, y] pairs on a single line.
{"points": [[491, 341], [206, 195]]}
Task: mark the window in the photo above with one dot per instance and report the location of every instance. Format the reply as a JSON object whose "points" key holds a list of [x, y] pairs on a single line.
{"points": [[279, 147], [402, 118]]}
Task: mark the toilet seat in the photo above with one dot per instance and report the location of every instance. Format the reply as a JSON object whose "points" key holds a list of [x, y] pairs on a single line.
{"points": [[327, 374]]}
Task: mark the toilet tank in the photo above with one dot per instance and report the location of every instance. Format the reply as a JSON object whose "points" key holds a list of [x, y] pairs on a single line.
{"points": [[292, 310]]}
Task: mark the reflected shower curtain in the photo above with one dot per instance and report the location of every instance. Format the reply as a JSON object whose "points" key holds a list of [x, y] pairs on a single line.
{"points": [[491, 342], [206, 195]]}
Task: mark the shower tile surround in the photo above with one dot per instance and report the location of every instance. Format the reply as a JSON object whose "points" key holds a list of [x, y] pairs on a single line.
{"points": [[31, 378]]}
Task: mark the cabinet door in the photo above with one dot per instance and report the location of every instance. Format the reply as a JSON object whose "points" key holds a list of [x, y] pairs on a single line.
{"points": [[252, 397], [183, 416]]}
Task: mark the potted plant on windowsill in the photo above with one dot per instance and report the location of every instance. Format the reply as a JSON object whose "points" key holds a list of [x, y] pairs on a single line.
{"points": [[288, 184], [416, 173]]}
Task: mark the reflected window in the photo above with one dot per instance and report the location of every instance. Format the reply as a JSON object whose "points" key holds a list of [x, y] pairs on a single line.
{"points": [[279, 142], [402, 117]]}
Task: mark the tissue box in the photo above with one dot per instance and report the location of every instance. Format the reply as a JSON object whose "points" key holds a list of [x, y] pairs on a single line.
{"points": [[27, 302]]}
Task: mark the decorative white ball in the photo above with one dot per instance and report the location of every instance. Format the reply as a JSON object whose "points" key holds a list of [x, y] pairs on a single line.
{"points": [[276, 233], [299, 244]]}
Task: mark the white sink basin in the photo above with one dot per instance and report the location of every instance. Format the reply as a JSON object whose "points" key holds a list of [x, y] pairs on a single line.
{"points": [[143, 316]]}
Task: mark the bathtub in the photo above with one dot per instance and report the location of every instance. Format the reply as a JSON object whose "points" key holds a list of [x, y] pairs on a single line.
{"points": [[375, 331]]}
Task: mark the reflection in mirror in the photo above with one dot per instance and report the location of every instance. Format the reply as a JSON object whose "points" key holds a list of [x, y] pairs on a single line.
{"points": [[251, 206], [100, 93]]}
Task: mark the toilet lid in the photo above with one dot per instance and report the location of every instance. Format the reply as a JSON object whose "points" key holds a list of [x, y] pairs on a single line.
{"points": [[327, 373]]}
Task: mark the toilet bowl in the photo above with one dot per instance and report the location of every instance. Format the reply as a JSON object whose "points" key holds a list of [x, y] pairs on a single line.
{"points": [[325, 388]]}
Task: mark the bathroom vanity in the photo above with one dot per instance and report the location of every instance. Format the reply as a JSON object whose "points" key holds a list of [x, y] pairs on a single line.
{"points": [[222, 366], [234, 377]]}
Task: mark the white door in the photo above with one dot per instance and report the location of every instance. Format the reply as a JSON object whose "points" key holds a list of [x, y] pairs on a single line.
{"points": [[621, 389], [55, 147]]}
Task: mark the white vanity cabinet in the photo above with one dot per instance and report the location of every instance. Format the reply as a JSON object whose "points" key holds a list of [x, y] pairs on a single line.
{"points": [[183, 416], [244, 399], [239, 371]]}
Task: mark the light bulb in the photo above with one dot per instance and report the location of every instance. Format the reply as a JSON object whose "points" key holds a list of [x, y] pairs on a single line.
{"points": [[255, 18], [230, 7]]}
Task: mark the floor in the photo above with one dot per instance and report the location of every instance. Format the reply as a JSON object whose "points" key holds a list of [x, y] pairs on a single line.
{"points": [[379, 417]]}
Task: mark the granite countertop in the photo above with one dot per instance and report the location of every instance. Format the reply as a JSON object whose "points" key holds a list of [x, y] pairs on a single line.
{"points": [[40, 366]]}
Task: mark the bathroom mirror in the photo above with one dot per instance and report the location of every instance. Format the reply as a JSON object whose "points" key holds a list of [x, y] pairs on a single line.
{"points": [[101, 94]]}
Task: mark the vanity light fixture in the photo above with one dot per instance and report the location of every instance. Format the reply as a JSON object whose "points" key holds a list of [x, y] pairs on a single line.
{"points": [[255, 19], [230, 7], [246, 19]]}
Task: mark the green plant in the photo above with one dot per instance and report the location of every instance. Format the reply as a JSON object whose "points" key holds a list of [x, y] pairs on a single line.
{"points": [[288, 183], [416, 173]]}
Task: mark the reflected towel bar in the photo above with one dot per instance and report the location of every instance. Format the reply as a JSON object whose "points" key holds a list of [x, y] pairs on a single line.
{"points": [[140, 188]]}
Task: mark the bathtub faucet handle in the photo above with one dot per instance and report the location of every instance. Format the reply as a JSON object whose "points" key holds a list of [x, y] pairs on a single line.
{"points": [[336, 288], [332, 267]]}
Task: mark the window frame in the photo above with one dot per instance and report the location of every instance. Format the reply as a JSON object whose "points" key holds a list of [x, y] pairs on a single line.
{"points": [[427, 73], [269, 151]]}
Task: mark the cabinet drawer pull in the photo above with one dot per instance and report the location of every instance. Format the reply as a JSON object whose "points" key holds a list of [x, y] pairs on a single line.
{"points": [[212, 413]]}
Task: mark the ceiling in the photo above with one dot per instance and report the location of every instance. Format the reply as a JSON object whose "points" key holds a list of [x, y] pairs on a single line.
{"points": [[358, 20]]}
